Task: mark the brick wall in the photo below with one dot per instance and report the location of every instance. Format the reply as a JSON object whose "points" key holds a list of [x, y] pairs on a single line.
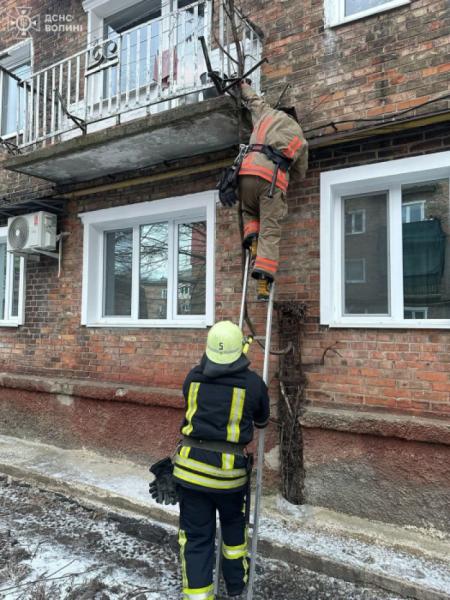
{"points": [[52, 340], [47, 48], [405, 370], [382, 64]]}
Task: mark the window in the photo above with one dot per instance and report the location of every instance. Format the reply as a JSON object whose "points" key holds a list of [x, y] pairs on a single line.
{"points": [[150, 264], [355, 221], [17, 64], [343, 11], [396, 271], [153, 42], [12, 285], [413, 211]]}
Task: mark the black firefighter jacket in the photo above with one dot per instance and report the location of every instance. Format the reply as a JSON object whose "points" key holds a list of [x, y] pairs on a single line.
{"points": [[223, 402]]}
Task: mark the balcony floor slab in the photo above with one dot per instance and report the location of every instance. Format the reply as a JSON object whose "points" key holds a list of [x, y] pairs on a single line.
{"points": [[191, 130]]}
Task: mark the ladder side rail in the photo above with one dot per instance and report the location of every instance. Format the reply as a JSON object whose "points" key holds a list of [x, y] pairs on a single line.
{"points": [[260, 461], [241, 324]]}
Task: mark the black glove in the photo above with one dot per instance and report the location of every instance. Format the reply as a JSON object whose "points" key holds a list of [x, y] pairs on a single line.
{"points": [[163, 488], [228, 186]]}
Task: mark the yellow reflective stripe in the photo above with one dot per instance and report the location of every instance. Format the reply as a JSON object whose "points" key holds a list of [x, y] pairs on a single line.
{"points": [[245, 563], [182, 540], [233, 552], [204, 593], [237, 407], [208, 482], [227, 462], [192, 408], [184, 451], [196, 465]]}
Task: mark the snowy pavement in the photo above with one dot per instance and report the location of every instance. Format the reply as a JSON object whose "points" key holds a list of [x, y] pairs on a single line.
{"points": [[408, 562], [51, 548]]}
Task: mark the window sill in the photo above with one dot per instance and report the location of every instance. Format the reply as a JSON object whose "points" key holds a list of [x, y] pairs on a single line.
{"points": [[407, 324], [10, 324], [367, 13], [160, 324]]}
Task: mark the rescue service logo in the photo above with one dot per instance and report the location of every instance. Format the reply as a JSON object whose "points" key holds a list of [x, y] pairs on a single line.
{"points": [[23, 22]]}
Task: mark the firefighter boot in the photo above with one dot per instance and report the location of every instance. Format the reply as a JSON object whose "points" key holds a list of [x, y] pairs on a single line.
{"points": [[263, 289], [254, 248]]}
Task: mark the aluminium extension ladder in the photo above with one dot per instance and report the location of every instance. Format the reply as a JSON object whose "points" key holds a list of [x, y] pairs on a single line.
{"points": [[261, 440]]}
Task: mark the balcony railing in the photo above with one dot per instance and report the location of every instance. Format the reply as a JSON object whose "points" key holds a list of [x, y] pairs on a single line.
{"points": [[152, 67]]}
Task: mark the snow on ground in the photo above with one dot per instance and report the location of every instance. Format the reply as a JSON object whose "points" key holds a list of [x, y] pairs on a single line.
{"points": [[51, 548]]}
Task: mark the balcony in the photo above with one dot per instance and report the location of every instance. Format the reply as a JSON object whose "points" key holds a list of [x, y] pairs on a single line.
{"points": [[136, 99]]}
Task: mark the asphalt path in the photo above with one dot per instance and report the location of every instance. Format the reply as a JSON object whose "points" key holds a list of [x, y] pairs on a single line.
{"points": [[51, 548]]}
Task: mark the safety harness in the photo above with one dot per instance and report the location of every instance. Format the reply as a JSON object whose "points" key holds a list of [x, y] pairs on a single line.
{"points": [[214, 446], [280, 161]]}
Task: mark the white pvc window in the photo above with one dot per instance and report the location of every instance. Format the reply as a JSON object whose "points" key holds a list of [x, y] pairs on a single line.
{"points": [[12, 285], [397, 272], [343, 11], [150, 264], [17, 64]]}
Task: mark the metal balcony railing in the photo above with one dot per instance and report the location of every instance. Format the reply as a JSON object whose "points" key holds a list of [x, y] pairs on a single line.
{"points": [[152, 67]]}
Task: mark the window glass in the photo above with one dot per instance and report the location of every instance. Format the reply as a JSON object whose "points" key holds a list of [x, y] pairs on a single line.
{"points": [[118, 272], [153, 271], [355, 221], [191, 285], [145, 13], [10, 99], [3, 257], [355, 6], [366, 256], [426, 253]]}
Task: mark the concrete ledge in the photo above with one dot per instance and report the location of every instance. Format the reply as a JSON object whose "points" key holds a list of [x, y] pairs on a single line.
{"points": [[408, 427], [135, 394], [198, 128]]}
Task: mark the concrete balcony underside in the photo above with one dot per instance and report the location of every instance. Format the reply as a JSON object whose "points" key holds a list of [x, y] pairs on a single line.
{"points": [[191, 130]]}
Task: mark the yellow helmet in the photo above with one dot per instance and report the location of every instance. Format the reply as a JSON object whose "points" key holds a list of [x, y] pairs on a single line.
{"points": [[225, 342]]}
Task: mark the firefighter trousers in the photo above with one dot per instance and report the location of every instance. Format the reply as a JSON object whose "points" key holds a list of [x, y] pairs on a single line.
{"points": [[197, 535], [262, 217]]}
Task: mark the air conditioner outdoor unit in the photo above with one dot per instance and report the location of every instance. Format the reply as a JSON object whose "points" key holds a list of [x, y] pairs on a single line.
{"points": [[33, 232]]}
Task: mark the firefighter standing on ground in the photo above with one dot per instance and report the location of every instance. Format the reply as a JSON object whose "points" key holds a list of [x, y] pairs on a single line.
{"points": [[275, 131], [224, 400]]}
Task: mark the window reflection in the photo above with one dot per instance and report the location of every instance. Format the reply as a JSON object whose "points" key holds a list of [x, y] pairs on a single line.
{"points": [[366, 254], [355, 6], [118, 270], [191, 289], [426, 275], [153, 271]]}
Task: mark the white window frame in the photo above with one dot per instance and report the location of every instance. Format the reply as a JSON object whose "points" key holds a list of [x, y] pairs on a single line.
{"points": [[9, 320], [180, 209], [18, 55], [335, 11], [386, 176]]}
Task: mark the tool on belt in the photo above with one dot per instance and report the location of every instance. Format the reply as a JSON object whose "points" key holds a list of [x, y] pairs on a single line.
{"points": [[228, 183], [278, 158]]}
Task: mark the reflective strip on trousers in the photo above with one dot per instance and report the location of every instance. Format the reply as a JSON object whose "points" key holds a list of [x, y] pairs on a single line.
{"points": [[182, 540], [204, 593], [192, 407], [208, 482], [233, 552]]}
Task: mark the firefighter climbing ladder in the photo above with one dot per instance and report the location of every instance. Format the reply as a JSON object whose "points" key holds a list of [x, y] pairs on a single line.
{"points": [[261, 439]]}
